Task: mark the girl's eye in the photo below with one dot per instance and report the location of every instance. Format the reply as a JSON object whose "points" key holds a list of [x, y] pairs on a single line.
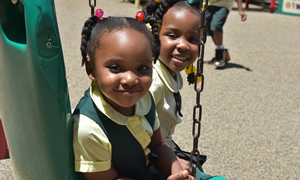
{"points": [[114, 68], [143, 68], [193, 40], [172, 36]]}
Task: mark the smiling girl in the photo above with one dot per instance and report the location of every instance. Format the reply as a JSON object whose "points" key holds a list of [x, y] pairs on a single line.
{"points": [[116, 133], [179, 23]]}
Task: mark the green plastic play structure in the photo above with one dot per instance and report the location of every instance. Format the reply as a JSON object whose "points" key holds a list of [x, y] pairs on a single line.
{"points": [[34, 99]]}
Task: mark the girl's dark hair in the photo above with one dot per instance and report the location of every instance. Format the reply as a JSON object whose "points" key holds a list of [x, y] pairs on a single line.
{"points": [[158, 10], [94, 28]]}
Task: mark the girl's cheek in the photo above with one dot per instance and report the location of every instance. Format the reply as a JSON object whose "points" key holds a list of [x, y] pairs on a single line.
{"points": [[149, 81], [195, 51]]}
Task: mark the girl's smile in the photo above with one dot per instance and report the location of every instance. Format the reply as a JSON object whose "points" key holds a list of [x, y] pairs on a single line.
{"points": [[180, 58], [123, 68], [128, 92]]}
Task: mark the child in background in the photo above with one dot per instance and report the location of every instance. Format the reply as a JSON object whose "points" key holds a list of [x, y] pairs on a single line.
{"points": [[216, 16], [179, 23], [116, 133]]}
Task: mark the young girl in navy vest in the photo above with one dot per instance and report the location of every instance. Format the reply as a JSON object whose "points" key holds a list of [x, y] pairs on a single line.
{"points": [[116, 133]]}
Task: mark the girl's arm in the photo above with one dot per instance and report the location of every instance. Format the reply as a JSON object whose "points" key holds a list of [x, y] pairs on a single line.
{"points": [[168, 163], [110, 174]]}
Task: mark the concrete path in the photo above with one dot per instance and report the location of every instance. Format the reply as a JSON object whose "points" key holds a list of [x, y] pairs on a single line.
{"points": [[251, 108]]}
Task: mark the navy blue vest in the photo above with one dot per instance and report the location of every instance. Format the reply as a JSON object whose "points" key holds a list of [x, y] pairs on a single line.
{"points": [[128, 157]]}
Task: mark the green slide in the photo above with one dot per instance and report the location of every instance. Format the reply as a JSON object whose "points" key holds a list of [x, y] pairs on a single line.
{"points": [[34, 99]]}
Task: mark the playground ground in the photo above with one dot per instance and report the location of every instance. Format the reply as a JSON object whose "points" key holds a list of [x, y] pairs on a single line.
{"points": [[251, 107]]}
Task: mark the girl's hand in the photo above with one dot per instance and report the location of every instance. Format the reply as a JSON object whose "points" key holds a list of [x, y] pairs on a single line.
{"points": [[182, 175], [185, 165]]}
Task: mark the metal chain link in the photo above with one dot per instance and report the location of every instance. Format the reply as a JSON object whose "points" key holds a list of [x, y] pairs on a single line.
{"points": [[197, 110], [92, 7]]}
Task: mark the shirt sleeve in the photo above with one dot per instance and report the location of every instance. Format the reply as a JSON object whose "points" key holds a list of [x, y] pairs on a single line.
{"points": [[92, 149]]}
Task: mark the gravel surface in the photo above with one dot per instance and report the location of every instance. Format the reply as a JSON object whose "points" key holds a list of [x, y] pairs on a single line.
{"points": [[251, 107]]}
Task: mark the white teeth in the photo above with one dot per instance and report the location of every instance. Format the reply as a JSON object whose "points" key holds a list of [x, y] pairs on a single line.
{"points": [[180, 58]]}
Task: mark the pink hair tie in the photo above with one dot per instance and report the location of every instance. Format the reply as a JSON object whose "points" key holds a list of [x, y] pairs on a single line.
{"points": [[99, 13], [140, 16]]}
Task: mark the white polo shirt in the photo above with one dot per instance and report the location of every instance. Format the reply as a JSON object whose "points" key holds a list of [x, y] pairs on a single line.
{"points": [[162, 88]]}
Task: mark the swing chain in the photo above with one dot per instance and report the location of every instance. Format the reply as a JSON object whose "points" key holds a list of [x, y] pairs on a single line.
{"points": [[92, 6], [197, 110]]}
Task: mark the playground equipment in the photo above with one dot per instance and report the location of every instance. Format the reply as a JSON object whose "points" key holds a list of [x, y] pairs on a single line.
{"points": [[273, 6], [290, 7], [35, 107]]}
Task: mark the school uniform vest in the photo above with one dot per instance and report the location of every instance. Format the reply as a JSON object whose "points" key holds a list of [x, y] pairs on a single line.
{"points": [[131, 162]]}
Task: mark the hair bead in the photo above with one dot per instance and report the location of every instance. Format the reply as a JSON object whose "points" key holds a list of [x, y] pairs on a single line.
{"points": [[140, 16], [99, 13]]}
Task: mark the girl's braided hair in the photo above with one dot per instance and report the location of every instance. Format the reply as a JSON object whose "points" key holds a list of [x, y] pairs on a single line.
{"points": [[155, 31], [158, 10], [94, 29]]}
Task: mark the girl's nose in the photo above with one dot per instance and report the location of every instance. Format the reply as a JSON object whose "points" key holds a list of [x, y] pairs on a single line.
{"points": [[183, 44], [129, 78]]}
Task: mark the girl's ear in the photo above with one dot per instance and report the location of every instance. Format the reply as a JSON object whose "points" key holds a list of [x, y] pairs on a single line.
{"points": [[89, 68]]}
